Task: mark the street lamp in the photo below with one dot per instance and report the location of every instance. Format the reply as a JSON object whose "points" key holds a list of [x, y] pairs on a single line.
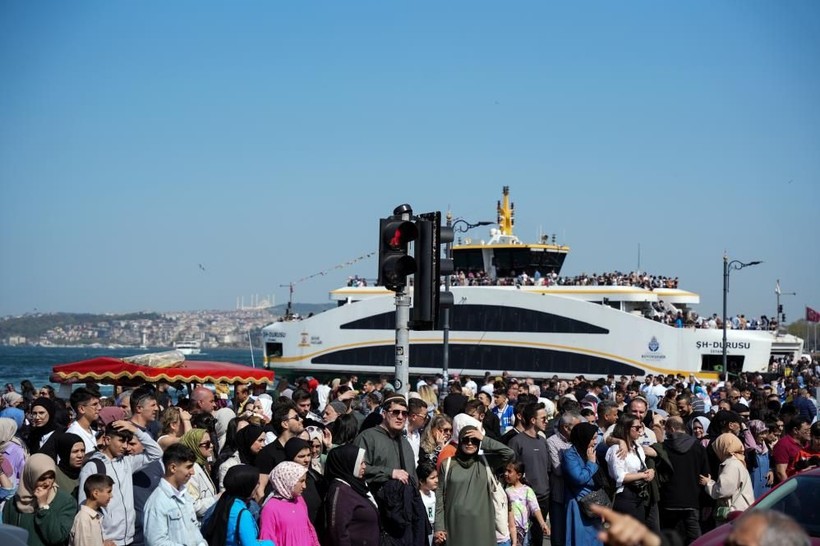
{"points": [[780, 314], [737, 265], [462, 226]]}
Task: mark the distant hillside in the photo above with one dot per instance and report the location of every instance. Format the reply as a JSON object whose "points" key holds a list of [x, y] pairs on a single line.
{"points": [[303, 309], [35, 325]]}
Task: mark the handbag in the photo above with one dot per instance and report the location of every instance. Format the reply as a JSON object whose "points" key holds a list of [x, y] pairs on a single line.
{"points": [[500, 501], [599, 497]]}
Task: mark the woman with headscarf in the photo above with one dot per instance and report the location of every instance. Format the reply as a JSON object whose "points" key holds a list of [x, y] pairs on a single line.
{"points": [[200, 487], [699, 427], [222, 418], [70, 454], [284, 517], [43, 424], [12, 449], [580, 469], [249, 441], [733, 488], [350, 510], [451, 448], [39, 506], [233, 522], [317, 444], [299, 451], [757, 456], [465, 515]]}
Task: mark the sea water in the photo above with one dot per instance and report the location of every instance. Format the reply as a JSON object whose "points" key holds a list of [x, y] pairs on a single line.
{"points": [[36, 363]]}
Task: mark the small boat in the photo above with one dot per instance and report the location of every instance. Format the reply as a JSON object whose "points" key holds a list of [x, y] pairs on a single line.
{"points": [[190, 347]]}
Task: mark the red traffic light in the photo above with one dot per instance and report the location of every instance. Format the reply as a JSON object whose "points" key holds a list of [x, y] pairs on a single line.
{"points": [[399, 233]]}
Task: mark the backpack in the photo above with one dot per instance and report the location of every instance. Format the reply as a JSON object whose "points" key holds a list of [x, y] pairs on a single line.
{"points": [[100, 466]]}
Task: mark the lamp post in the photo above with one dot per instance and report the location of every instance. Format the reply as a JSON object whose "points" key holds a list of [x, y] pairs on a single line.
{"points": [[727, 267], [780, 314], [462, 226]]}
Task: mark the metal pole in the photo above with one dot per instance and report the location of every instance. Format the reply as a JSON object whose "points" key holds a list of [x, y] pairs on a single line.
{"points": [[445, 326], [725, 291], [402, 382], [777, 309]]}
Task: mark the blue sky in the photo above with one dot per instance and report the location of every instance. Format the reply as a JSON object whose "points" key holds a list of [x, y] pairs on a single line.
{"points": [[265, 139]]}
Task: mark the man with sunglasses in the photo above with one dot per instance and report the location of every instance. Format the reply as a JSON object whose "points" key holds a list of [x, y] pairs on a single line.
{"points": [[286, 423], [388, 454], [416, 420]]}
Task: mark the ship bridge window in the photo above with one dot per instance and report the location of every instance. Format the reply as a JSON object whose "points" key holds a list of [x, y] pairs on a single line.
{"points": [[468, 260], [510, 262]]}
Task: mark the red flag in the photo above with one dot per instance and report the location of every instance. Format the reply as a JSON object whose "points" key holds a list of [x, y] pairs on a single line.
{"points": [[812, 315]]}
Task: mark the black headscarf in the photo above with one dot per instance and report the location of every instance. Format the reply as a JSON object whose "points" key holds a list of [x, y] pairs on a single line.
{"points": [[36, 433], [343, 464], [464, 460], [581, 435], [294, 446], [240, 481], [65, 442], [245, 438]]}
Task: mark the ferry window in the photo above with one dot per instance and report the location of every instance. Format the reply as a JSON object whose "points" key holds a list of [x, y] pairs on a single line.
{"points": [[478, 358], [496, 318], [490, 318], [384, 321], [273, 349], [714, 363]]}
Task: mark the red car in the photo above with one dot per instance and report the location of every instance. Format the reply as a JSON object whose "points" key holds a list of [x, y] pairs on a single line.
{"points": [[798, 496]]}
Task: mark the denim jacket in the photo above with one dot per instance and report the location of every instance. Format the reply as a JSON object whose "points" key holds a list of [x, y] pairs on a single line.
{"points": [[170, 518]]}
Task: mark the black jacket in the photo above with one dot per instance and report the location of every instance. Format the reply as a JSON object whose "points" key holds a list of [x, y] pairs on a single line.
{"points": [[404, 519], [688, 459]]}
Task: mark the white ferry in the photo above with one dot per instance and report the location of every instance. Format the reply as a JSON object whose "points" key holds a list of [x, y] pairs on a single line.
{"points": [[188, 347], [531, 328]]}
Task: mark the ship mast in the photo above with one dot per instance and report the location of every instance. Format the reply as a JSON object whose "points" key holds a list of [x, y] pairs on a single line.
{"points": [[506, 212]]}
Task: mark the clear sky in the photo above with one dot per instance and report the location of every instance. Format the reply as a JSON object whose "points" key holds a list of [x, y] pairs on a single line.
{"points": [[264, 139]]}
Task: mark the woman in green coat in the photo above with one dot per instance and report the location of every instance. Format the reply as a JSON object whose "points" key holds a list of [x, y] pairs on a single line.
{"points": [[464, 507], [39, 506]]}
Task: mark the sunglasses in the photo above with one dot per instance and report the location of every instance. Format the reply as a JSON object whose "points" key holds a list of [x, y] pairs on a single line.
{"points": [[471, 441], [448, 430], [637, 427], [398, 413], [206, 445]]}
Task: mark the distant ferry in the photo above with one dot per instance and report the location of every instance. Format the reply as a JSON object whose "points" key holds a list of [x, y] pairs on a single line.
{"points": [[188, 347], [511, 315]]}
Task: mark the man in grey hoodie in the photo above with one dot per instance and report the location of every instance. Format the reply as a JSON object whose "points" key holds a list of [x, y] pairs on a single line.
{"points": [[120, 516], [680, 490]]}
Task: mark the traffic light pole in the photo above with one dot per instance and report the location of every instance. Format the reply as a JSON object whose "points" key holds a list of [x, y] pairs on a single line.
{"points": [[402, 382]]}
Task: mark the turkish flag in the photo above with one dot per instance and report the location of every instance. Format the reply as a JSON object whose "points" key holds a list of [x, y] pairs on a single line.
{"points": [[812, 315]]}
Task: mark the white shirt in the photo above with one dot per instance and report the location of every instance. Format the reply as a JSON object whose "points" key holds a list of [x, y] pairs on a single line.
{"points": [[89, 439], [619, 468]]}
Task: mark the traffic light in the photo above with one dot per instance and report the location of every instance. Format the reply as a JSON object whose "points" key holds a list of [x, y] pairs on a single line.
{"points": [[427, 295], [395, 234]]}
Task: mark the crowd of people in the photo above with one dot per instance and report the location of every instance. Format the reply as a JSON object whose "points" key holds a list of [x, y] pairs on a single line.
{"points": [[551, 278], [502, 461]]}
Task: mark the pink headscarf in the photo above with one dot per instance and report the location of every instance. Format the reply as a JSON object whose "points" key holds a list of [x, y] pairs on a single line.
{"points": [[284, 477]]}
